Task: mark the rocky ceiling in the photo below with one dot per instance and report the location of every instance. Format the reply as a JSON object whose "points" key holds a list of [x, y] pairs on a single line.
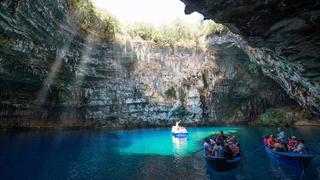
{"points": [[282, 36]]}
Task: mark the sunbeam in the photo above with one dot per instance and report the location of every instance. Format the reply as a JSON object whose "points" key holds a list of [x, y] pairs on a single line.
{"points": [[42, 95]]}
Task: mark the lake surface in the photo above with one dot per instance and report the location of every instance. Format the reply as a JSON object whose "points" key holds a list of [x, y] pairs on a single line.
{"points": [[140, 154]]}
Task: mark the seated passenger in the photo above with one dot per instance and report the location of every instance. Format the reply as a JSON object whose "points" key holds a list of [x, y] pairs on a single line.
{"points": [[212, 141], [208, 149], [231, 139], [271, 141], [235, 149], [228, 154], [292, 143], [278, 146], [218, 150], [300, 147]]}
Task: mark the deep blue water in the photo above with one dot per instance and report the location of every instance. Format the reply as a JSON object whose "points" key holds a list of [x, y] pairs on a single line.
{"points": [[139, 154]]}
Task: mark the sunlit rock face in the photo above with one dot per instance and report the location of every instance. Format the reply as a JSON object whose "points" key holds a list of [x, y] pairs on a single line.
{"points": [[216, 85], [281, 36], [52, 75]]}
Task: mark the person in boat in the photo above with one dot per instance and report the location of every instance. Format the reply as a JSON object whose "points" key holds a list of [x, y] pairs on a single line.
{"points": [[218, 150], [265, 139], [221, 137], [212, 141], [208, 149], [282, 137], [292, 143], [300, 147], [228, 154], [235, 148], [231, 139], [278, 146], [271, 141]]}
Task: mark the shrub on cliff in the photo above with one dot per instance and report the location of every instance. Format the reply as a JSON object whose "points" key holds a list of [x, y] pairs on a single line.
{"points": [[210, 28], [94, 23], [101, 26], [274, 117], [170, 93]]}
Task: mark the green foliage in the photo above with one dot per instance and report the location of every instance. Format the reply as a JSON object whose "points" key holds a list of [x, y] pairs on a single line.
{"points": [[211, 28], [102, 26], [253, 68], [93, 22], [145, 31], [274, 117], [175, 34], [170, 93]]}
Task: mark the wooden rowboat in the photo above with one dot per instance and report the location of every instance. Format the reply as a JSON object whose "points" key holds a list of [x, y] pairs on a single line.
{"points": [[293, 159], [222, 164]]}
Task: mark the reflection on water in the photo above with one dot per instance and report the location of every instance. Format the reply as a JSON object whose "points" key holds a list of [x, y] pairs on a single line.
{"points": [[160, 142], [179, 144]]}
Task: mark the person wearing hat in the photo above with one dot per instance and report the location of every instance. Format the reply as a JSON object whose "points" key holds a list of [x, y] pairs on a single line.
{"points": [[292, 143]]}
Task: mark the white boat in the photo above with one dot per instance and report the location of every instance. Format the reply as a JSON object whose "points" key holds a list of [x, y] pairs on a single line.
{"points": [[179, 131]]}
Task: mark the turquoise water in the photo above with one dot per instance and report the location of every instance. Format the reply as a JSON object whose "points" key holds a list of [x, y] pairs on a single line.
{"points": [[160, 142], [139, 154]]}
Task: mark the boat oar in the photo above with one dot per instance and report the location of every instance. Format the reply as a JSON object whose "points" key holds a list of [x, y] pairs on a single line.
{"points": [[258, 149], [197, 151], [314, 151], [241, 153]]}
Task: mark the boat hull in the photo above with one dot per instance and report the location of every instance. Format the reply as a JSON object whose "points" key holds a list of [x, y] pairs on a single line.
{"points": [[290, 159], [180, 135], [222, 164]]}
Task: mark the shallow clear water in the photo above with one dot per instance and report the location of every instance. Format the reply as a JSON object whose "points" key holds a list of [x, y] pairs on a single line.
{"points": [[139, 154]]}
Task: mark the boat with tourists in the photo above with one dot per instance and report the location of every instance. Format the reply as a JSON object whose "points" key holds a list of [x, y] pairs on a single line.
{"points": [[179, 131], [293, 159], [293, 154], [222, 153]]}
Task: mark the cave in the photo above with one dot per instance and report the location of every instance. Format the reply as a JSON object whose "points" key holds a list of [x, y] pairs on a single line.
{"points": [[66, 64]]}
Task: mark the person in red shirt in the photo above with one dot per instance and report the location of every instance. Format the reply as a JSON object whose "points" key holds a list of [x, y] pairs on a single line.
{"points": [[271, 141], [292, 143]]}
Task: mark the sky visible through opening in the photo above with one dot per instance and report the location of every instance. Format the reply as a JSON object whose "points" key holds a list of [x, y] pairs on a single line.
{"points": [[156, 12]]}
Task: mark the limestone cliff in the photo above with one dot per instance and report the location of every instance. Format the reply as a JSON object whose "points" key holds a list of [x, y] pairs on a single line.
{"points": [[53, 74]]}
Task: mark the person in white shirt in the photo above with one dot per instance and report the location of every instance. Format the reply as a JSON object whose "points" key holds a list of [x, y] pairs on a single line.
{"points": [[300, 147], [207, 147], [218, 150]]}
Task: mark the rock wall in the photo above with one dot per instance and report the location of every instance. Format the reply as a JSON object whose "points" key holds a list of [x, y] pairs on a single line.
{"points": [[282, 36], [52, 75], [216, 85]]}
